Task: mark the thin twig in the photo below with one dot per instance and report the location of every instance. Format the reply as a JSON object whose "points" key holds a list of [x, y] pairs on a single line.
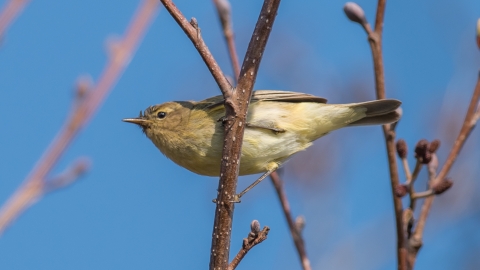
{"points": [[375, 40], [120, 55], [296, 235], [192, 30], [467, 127], [77, 169], [411, 188], [254, 238], [11, 10], [225, 14]]}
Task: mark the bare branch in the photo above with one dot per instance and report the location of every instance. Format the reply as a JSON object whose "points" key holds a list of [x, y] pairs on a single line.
{"points": [[225, 15], [255, 237], [375, 40], [236, 108], [120, 55], [11, 10], [192, 30], [77, 169], [467, 127], [294, 229]]}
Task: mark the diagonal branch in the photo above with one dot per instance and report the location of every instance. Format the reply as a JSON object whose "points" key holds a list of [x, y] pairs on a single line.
{"points": [[192, 30], [223, 9], [236, 105], [467, 127], [225, 14], [294, 230], [236, 108], [120, 55], [255, 237], [11, 10]]}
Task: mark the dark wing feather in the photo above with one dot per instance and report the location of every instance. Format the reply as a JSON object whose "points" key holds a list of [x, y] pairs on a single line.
{"points": [[285, 96], [264, 95]]}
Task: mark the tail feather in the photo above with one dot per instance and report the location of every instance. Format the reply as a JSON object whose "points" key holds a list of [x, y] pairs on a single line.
{"points": [[379, 112]]}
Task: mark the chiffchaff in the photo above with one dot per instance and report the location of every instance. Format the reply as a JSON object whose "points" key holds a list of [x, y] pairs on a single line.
{"points": [[279, 124]]}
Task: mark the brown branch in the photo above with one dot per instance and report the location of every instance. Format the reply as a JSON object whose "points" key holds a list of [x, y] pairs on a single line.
{"points": [[68, 177], [375, 40], [224, 13], [294, 230], [236, 105], [192, 30], [223, 8], [82, 111], [467, 127], [236, 108], [255, 237], [11, 10]]}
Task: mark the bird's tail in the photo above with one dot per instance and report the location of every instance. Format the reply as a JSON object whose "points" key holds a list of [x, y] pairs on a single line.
{"points": [[378, 112]]}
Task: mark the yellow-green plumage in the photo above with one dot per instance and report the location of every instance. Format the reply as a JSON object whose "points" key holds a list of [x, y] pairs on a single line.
{"points": [[279, 124]]}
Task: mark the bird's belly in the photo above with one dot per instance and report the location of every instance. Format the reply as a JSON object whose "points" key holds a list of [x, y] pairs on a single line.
{"points": [[261, 149]]}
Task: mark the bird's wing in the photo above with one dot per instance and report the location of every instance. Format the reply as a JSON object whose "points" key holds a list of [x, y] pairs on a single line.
{"points": [[264, 95], [285, 96]]}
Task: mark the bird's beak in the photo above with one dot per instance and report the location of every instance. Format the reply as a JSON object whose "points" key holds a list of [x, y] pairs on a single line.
{"points": [[139, 121]]}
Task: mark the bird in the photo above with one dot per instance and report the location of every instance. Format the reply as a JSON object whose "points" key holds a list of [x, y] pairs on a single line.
{"points": [[279, 124]]}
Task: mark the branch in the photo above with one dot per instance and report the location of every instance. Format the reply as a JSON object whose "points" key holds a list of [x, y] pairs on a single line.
{"points": [[82, 111], [376, 47], [236, 107], [11, 10], [467, 127], [294, 230], [192, 30], [255, 237], [68, 177], [224, 13], [356, 14]]}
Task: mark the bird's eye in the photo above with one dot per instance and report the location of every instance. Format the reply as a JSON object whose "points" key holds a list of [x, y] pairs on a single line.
{"points": [[161, 115]]}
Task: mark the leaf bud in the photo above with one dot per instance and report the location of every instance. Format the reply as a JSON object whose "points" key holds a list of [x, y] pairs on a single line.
{"points": [[402, 148], [355, 13], [401, 190], [255, 226], [443, 186]]}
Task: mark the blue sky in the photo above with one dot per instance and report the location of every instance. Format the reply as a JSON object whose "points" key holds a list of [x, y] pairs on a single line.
{"points": [[135, 209]]}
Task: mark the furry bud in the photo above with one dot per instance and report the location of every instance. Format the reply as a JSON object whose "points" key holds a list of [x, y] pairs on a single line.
{"points": [[422, 153], [255, 226], [434, 145], [401, 190], [443, 186], [355, 13], [402, 148]]}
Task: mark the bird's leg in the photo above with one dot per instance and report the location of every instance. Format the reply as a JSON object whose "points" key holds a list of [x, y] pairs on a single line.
{"points": [[236, 197]]}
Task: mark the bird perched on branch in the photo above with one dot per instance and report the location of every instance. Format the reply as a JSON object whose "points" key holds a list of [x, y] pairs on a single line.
{"points": [[279, 124]]}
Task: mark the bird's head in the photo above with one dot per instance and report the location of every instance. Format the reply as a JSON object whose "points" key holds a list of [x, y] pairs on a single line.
{"points": [[158, 119]]}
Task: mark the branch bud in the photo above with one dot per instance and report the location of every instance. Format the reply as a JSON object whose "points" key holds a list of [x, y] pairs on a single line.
{"points": [[355, 13], [422, 153], [402, 148], [478, 33], [401, 190], [300, 223], [255, 227], [224, 11], [443, 186], [434, 145], [84, 84]]}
